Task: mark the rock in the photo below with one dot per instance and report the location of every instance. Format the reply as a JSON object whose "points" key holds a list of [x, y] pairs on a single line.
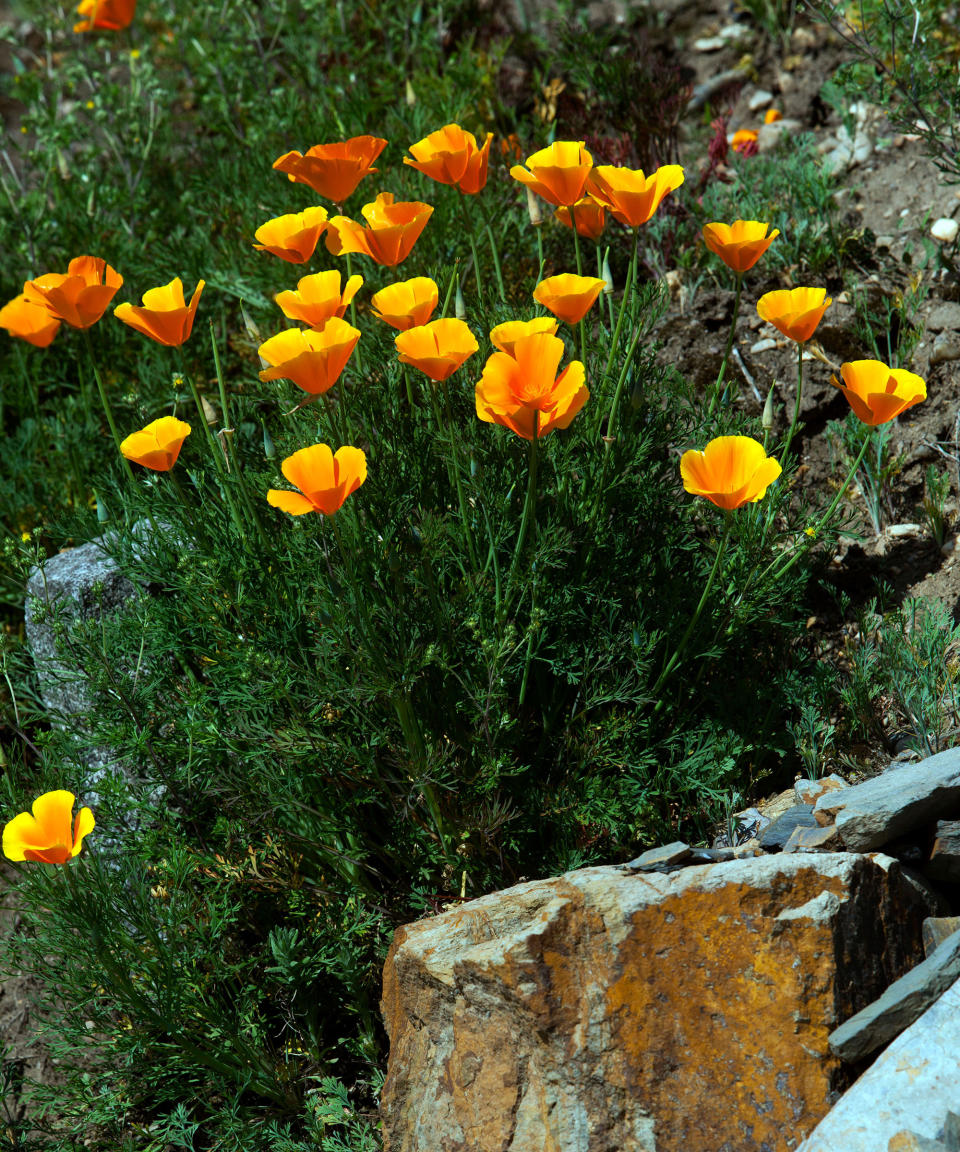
{"points": [[867, 815], [764, 345], [605, 1010], [903, 531], [775, 805], [936, 929], [810, 791], [944, 863], [902, 1003], [945, 230], [770, 135], [946, 348], [709, 44], [943, 315], [775, 835], [911, 1086], [655, 858], [759, 99], [814, 839]]}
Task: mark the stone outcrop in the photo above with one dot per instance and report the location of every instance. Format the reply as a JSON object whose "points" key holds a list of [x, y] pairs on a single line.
{"points": [[612, 1010]]}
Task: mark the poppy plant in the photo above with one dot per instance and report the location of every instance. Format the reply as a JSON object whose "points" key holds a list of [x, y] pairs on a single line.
{"points": [[558, 173], [740, 244], [744, 141], [30, 321], [292, 237], [406, 304], [631, 196], [324, 480], [312, 360], [333, 171], [318, 298], [589, 217], [796, 312], [158, 445], [505, 336], [523, 392], [451, 156], [105, 15], [391, 232], [437, 349], [568, 296], [80, 295], [48, 833], [729, 472], [164, 315], [877, 393]]}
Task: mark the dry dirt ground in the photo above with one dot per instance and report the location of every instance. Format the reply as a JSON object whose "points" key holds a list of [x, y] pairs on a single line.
{"points": [[896, 192]]}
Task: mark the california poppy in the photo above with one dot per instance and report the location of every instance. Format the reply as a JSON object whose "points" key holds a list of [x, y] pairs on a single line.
{"points": [[451, 156], [523, 392], [81, 295], [589, 216], [324, 480], [105, 15], [506, 335], [740, 244], [796, 312], [558, 173], [30, 321], [158, 445], [48, 833], [631, 196], [729, 472], [292, 237], [318, 298], [744, 141], [333, 170], [164, 315], [406, 304], [437, 349], [312, 360], [391, 232], [877, 393], [568, 296]]}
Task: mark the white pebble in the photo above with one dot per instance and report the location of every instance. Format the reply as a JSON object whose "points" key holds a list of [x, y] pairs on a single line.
{"points": [[945, 230]]}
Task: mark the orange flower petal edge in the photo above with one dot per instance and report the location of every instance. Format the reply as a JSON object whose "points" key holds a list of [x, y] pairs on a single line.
{"points": [[333, 170], [30, 321], [451, 156], [557, 173], [81, 295], [105, 15], [796, 312], [568, 296], [437, 349], [740, 244]]}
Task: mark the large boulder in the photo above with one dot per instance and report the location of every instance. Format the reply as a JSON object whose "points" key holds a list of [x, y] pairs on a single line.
{"points": [[610, 1010]]}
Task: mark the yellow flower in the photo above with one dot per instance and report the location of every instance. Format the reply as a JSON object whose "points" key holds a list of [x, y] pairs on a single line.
{"points": [[324, 480], [877, 393], [740, 244], [795, 311], [158, 445], [47, 833], [631, 196], [729, 472]]}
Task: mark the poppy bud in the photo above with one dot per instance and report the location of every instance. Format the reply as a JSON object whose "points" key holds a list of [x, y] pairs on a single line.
{"points": [[533, 208], [411, 95], [767, 419], [459, 307], [607, 277], [269, 448]]}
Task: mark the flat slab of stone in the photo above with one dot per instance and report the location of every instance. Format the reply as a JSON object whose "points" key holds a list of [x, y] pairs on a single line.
{"points": [[610, 1011], [810, 791], [909, 1087], [870, 814], [815, 839], [936, 929], [944, 862], [776, 834], [902, 1003]]}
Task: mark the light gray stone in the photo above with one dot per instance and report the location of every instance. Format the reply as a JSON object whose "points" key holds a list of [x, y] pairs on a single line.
{"points": [[902, 1003], [810, 791], [946, 347], [870, 814], [911, 1086], [936, 929], [775, 836], [945, 230], [944, 315], [655, 858]]}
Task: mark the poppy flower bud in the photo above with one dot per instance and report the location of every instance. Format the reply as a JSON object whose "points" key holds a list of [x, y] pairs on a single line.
{"points": [[269, 448], [459, 307], [533, 209], [607, 277], [767, 419]]}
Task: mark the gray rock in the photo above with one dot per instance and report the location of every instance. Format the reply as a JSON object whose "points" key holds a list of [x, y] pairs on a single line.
{"points": [[903, 1002], [814, 839], [944, 315], [911, 1086], [936, 929], [946, 347], [655, 858], [944, 862], [870, 814], [759, 99], [775, 836], [810, 791]]}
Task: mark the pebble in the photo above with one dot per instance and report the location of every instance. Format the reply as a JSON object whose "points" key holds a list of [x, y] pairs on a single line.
{"points": [[765, 345], [946, 347], [946, 314], [945, 230], [904, 530], [810, 791], [760, 99], [770, 135]]}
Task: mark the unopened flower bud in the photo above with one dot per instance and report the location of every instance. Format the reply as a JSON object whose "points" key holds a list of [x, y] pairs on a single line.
{"points": [[459, 307], [411, 95], [533, 209], [767, 419], [209, 412], [269, 448], [607, 277]]}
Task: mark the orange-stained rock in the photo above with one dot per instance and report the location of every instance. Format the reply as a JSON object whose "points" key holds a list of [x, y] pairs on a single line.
{"points": [[604, 1011]]}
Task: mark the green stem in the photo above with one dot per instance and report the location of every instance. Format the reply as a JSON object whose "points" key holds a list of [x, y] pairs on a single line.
{"points": [[796, 408], [107, 409], [726, 355], [529, 508], [217, 453], [624, 305], [498, 271], [473, 247], [455, 467], [576, 240]]}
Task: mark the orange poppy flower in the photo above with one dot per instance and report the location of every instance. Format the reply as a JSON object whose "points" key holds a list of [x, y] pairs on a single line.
{"points": [[505, 336], [772, 115], [312, 360], [30, 321], [81, 295], [406, 304], [729, 472], [523, 392], [49, 832], [333, 170], [740, 244], [165, 316], [557, 174], [744, 141], [391, 232], [590, 217], [877, 393], [629, 195], [795, 311], [451, 156], [568, 296], [437, 349], [324, 480], [318, 297], [292, 237], [105, 15], [158, 445]]}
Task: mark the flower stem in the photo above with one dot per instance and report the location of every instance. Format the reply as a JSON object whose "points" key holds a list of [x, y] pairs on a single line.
{"points": [[529, 508], [576, 240], [796, 409], [473, 247], [455, 468], [498, 271], [717, 388], [107, 409], [624, 305]]}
